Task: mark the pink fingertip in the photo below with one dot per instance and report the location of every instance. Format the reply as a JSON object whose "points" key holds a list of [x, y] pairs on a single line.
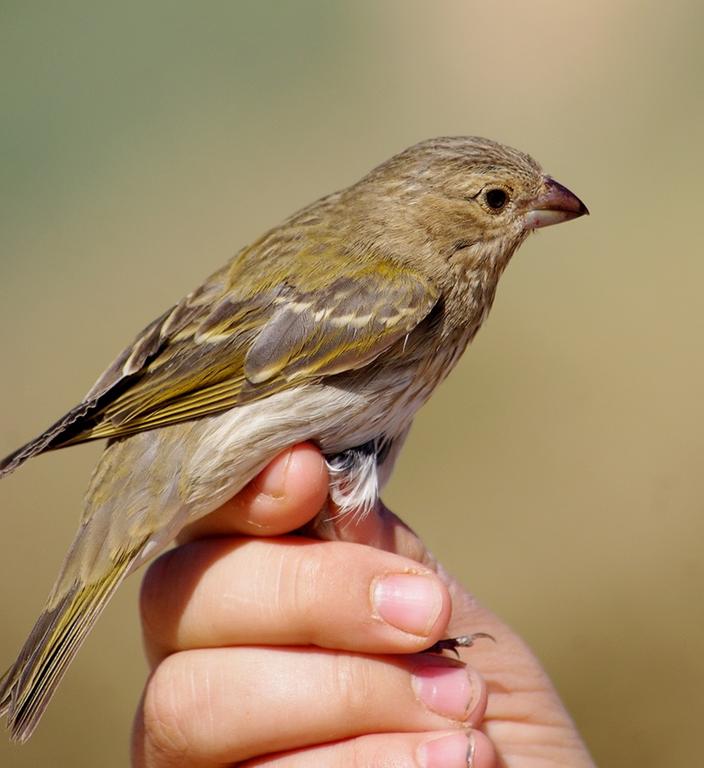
{"points": [[409, 602], [453, 751]]}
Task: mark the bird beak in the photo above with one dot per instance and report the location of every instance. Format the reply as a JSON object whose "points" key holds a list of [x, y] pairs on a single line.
{"points": [[553, 204]]}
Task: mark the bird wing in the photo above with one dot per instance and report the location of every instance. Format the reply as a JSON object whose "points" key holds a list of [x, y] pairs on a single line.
{"points": [[267, 321]]}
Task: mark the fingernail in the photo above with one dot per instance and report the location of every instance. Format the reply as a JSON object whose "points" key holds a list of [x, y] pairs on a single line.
{"points": [[273, 481], [408, 602], [453, 751], [445, 690]]}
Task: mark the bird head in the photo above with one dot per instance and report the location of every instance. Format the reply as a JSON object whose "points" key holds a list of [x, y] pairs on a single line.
{"points": [[464, 198]]}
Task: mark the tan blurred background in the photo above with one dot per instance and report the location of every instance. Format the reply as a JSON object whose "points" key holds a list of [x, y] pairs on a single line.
{"points": [[558, 472]]}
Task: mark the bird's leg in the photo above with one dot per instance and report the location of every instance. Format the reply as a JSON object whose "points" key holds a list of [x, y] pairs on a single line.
{"points": [[354, 482]]}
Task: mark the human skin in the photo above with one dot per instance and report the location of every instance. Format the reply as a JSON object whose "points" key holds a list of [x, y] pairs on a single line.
{"points": [[269, 648]]}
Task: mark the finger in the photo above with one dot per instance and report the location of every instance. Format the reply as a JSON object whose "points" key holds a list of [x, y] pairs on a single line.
{"points": [[214, 706], [451, 749], [283, 497], [383, 529], [379, 528], [291, 591], [521, 692]]}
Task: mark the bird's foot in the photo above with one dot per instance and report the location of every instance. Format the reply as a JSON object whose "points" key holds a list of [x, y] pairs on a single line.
{"points": [[452, 644]]}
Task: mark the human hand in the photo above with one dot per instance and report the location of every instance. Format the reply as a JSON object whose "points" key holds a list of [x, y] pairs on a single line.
{"points": [[270, 651]]}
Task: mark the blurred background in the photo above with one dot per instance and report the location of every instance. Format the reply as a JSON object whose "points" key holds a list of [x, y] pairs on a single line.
{"points": [[558, 472]]}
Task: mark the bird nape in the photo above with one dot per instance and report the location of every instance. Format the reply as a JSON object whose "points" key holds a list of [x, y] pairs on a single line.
{"points": [[333, 327]]}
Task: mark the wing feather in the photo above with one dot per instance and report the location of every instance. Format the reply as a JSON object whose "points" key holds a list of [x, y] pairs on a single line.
{"points": [[267, 320]]}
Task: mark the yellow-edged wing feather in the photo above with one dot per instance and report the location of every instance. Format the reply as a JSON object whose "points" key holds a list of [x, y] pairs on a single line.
{"points": [[280, 313]]}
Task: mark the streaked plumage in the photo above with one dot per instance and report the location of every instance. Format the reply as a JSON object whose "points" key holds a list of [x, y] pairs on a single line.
{"points": [[333, 327]]}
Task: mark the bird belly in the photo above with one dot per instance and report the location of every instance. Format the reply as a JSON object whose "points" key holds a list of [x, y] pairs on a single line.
{"points": [[150, 485], [235, 445]]}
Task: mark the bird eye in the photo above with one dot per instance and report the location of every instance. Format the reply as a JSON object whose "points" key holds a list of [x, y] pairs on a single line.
{"points": [[496, 198]]}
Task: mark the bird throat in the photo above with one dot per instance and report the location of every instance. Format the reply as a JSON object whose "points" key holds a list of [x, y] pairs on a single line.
{"points": [[475, 272]]}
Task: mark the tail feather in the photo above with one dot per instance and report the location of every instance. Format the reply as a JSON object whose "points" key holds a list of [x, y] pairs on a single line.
{"points": [[27, 687]]}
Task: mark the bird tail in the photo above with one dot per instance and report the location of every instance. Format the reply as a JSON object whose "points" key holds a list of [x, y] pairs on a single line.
{"points": [[27, 687]]}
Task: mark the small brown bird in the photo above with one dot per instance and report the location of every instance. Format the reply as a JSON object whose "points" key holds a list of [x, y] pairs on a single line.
{"points": [[334, 327]]}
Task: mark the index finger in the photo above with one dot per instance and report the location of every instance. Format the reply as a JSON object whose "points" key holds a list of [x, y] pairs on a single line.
{"points": [[288, 493]]}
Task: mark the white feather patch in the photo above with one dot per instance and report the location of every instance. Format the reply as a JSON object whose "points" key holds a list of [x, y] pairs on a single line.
{"points": [[354, 485]]}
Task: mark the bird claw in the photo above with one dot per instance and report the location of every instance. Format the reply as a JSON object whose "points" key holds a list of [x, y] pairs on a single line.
{"points": [[451, 644]]}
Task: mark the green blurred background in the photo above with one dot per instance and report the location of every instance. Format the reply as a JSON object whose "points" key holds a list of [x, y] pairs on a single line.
{"points": [[558, 471]]}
